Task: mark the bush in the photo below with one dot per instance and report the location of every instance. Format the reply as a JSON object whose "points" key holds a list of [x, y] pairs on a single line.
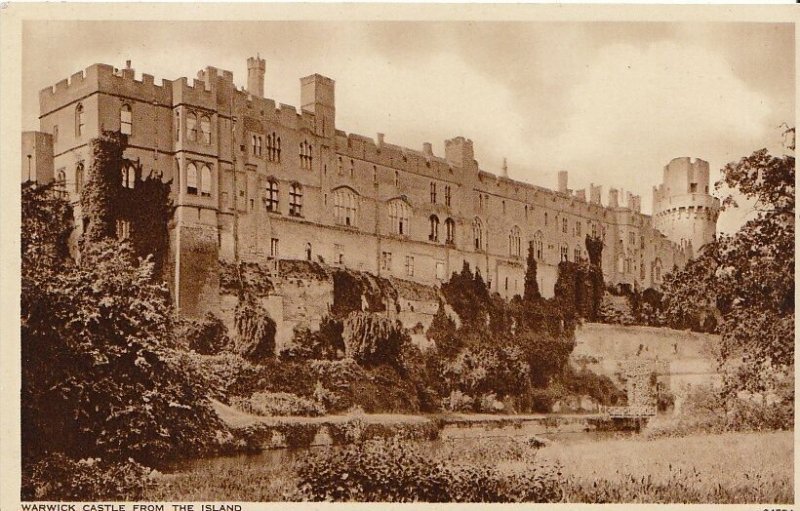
{"points": [[402, 471], [207, 336], [706, 410], [459, 402], [324, 344], [255, 330], [372, 339], [58, 477], [278, 403]]}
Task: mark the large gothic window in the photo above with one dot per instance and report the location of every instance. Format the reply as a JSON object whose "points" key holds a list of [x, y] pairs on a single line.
{"points": [[271, 201], [126, 120], [128, 176], [273, 147], [450, 230], [434, 234], [205, 129], [296, 200], [477, 234], [80, 120], [191, 126], [538, 246], [345, 207], [205, 181], [191, 179], [306, 155], [399, 217], [514, 242]]}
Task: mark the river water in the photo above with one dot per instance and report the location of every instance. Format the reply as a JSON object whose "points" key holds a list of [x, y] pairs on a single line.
{"points": [[285, 457]]}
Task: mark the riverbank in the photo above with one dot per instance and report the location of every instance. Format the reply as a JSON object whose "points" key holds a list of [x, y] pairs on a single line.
{"points": [[257, 433], [720, 468]]}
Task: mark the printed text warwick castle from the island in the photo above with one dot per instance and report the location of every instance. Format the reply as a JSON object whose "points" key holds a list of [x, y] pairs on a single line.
{"points": [[306, 190]]}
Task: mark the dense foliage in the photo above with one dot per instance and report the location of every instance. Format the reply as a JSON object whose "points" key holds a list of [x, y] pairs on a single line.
{"points": [[372, 339], [396, 471], [101, 376], [255, 329], [748, 277]]}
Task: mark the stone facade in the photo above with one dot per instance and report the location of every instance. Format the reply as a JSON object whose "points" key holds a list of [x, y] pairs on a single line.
{"points": [[261, 181]]}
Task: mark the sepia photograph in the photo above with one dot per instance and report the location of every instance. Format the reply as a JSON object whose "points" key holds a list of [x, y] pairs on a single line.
{"points": [[418, 259]]}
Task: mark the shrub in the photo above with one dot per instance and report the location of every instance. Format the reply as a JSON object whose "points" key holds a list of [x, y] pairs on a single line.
{"points": [[207, 336], [459, 402], [325, 343], [278, 403], [58, 477], [255, 330], [371, 339], [402, 471]]}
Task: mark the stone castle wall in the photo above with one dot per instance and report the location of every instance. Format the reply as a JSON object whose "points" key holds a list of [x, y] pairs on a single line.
{"points": [[276, 177]]}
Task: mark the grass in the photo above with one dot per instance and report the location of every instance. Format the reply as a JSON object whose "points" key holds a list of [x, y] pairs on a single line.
{"points": [[719, 468]]}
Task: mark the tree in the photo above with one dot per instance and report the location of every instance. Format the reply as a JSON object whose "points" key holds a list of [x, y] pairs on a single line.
{"points": [[749, 276], [99, 374], [531, 285], [372, 339]]}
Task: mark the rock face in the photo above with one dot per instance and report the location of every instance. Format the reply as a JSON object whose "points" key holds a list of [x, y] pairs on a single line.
{"points": [[301, 293]]}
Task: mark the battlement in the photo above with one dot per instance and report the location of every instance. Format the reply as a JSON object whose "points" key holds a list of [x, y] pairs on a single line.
{"points": [[107, 79]]}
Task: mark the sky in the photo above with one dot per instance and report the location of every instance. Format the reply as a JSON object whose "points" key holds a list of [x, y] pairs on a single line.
{"points": [[610, 102]]}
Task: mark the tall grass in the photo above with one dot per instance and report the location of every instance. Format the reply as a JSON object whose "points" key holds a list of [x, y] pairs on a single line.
{"points": [[720, 468], [716, 468]]}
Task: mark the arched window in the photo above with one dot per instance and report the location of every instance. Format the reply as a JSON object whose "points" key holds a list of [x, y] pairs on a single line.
{"points": [[205, 129], [564, 252], [399, 217], [345, 207], [273, 147], [79, 178], [191, 179], [339, 169], [125, 120], [434, 234], [477, 234], [128, 176], [271, 201], [514, 242], [295, 200], [79, 120], [538, 246], [61, 181], [447, 195], [177, 125], [433, 193], [657, 271], [205, 181], [450, 230], [191, 126], [306, 156]]}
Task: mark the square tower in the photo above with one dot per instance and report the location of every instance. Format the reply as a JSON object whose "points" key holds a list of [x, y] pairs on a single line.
{"points": [[317, 97]]}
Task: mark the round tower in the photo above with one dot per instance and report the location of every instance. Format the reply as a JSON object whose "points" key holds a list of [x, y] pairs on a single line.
{"points": [[683, 208]]}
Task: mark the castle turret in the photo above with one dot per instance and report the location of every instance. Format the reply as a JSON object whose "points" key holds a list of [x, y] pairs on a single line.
{"points": [[255, 76], [683, 209]]}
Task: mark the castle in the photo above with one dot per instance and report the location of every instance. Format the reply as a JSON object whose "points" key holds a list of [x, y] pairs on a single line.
{"points": [[258, 181]]}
